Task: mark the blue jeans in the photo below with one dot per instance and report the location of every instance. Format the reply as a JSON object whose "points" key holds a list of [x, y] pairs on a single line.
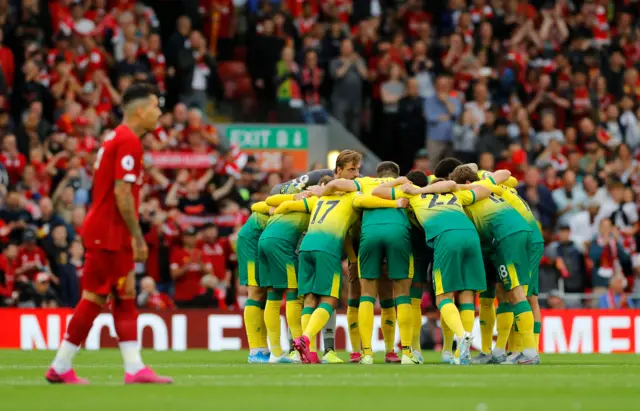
{"points": [[314, 114]]}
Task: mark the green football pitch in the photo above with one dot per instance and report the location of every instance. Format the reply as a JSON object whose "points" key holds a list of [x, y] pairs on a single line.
{"points": [[223, 381]]}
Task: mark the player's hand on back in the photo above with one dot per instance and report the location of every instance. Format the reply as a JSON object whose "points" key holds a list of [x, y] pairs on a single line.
{"points": [[402, 202], [316, 190], [409, 189], [140, 250]]}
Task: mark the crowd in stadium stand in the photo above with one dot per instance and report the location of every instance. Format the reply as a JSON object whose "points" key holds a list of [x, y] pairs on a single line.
{"points": [[548, 90]]}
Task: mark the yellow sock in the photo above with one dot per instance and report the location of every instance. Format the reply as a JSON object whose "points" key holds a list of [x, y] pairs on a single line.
{"points": [[352, 320], [449, 312], [416, 307], [537, 326], [504, 319], [518, 337], [388, 324], [524, 320], [487, 323], [263, 326], [468, 316], [304, 322], [365, 323], [272, 321], [294, 313], [252, 322], [405, 323], [511, 345], [317, 321], [447, 335]]}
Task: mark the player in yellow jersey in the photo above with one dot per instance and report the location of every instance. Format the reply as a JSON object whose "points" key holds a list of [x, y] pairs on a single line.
{"points": [[320, 278], [347, 167], [385, 235], [248, 273], [508, 234], [457, 260], [505, 188]]}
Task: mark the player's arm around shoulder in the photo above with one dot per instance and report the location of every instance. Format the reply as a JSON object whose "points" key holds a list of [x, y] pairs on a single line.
{"points": [[261, 207], [304, 205], [277, 199], [473, 194], [370, 201], [390, 189]]}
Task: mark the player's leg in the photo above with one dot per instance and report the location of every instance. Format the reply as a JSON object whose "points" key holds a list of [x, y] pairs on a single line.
{"points": [[401, 270], [514, 273], [249, 276], [504, 320], [417, 286], [306, 276], [94, 296], [447, 267], [473, 277], [369, 271], [388, 317], [125, 321], [353, 305], [535, 256], [487, 311], [328, 339], [326, 285]]}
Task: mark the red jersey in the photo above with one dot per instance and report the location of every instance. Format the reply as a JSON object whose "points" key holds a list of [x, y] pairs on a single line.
{"points": [[159, 301], [14, 165], [34, 255], [119, 158], [9, 270], [216, 255], [187, 286]]}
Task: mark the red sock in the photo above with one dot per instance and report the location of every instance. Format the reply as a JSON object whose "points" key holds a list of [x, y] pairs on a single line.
{"points": [[125, 319], [86, 311]]}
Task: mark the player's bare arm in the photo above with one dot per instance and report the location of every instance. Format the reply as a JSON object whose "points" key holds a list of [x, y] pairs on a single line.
{"points": [[127, 208], [434, 188], [341, 184], [480, 192], [500, 176]]}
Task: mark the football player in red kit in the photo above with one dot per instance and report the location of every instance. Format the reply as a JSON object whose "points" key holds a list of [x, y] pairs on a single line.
{"points": [[114, 241]]}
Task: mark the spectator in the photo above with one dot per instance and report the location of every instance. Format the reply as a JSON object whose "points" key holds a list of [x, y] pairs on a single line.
{"points": [[555, 301], [312, 77], [265, 49], [566, 261], [549, 131], [615, 297], [56, 249], [441, 112], [465, 138], [216, 252], [391, 91], [39, 294], [8, 266], [538, 197], [14, 214], [150, 298], [197, 73], [71, 275], [570, 199], [130, 65], [607, 255], [585, 225], [187, 269], [622, 214], [288, 90], [13, 161], [348, 73], [410, 125], [31, 258]]}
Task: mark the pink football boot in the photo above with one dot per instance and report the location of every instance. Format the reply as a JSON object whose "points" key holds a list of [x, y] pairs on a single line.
{"points": [[146, 376], [68, 377]]}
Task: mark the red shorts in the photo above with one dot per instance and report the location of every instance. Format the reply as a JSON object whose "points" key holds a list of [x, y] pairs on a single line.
{"points": [[106, 271]]}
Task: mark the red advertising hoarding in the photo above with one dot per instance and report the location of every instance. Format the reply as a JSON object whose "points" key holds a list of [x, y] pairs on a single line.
{"points": [[571, 331]]}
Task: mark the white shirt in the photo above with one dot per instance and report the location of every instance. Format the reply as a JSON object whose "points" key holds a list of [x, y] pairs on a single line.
{"points": [[582, 230], [200, 73]]}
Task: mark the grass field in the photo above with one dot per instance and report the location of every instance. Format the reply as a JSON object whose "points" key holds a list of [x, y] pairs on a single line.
{"points": [[223, 381]]}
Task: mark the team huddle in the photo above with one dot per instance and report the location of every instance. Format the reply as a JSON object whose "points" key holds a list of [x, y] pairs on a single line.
{"points": [[466, 230]]}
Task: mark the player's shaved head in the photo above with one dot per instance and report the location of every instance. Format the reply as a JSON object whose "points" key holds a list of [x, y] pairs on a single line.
{"points": [[418, 178], [137, 95], [463, 174], [388, 169], [446, 167]]}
